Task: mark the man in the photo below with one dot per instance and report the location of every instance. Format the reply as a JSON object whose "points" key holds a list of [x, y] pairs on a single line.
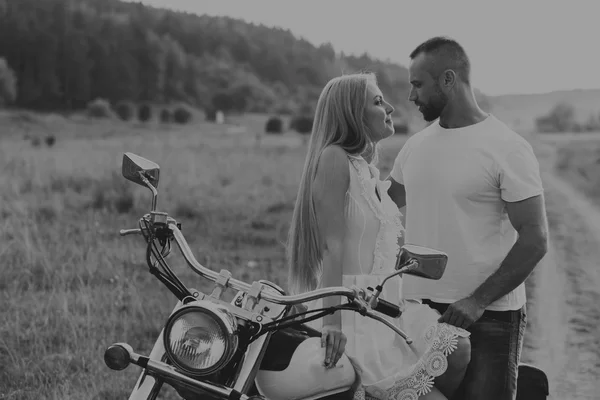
{"points": [[472, 188]]}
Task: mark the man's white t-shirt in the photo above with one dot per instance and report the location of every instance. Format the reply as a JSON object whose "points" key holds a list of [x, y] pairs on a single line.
{"points": [[456, 183]]}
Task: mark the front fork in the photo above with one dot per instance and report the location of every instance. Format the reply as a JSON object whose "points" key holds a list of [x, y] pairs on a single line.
{"points": [[147, 386]]}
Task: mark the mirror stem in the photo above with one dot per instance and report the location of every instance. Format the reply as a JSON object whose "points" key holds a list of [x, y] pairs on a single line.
{"points": [[409, 265], [152, 188], [406, 267]]}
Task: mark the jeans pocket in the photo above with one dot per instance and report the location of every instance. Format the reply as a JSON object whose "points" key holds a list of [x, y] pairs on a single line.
{"points": [[502, 319]]}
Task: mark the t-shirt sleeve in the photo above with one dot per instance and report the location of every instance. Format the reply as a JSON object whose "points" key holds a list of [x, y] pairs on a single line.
{"points": [[396, 172], [519, 174]]}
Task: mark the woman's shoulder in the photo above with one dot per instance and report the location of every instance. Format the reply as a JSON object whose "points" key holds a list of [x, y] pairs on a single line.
{"points": [[334, 151], [333, 157], [332, 169]]}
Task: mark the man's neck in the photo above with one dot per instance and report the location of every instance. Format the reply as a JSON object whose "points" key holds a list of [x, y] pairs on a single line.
{"points": [[462, 111]]}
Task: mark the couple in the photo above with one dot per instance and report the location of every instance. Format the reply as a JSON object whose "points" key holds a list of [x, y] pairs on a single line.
{"points": [[471, 188]]}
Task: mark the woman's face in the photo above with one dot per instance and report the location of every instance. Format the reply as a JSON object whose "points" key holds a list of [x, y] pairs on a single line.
{"points": [[378, 114]]}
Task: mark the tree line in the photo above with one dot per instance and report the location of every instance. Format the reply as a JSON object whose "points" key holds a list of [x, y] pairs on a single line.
{"points": [[61, 55]]}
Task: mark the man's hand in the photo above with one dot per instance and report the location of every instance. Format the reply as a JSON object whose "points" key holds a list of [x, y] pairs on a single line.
{"points": [[463, 313], [335, 340]]}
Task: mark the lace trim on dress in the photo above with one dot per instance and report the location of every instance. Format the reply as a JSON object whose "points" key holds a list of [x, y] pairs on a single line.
{"points": [[390, 223], [442, 340]]}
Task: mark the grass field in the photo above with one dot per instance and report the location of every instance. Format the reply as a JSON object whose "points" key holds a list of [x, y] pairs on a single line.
{"points": [[70, 286], [579, 163]]}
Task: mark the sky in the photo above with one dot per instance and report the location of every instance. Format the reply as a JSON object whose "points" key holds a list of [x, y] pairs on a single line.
{"points": [[526, 46]]}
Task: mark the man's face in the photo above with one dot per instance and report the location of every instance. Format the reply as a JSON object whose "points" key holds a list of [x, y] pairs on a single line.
{"points": [[425, 90]]}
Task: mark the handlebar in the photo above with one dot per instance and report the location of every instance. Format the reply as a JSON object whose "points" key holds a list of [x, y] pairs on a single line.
{"points": [[243, 286], [383, 306]]}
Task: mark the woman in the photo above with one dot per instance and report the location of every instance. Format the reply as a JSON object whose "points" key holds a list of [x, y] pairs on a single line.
{"points": [[345, 232]]}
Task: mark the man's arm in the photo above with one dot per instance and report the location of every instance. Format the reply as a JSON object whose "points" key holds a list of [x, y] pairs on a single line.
{"points": [[397, 192], [529, 220]]}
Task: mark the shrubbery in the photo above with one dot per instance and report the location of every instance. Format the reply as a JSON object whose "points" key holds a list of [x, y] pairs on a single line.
{"points": [[8, 83], [563, 118], [210, 114], [165, 116], [144, 112], [302, 124], [124, 110], [274, 125], [99, 108], [182, 115]]}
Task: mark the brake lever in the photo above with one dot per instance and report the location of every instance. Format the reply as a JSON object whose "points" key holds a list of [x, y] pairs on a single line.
{"points": [[362, 302], [389, 325]]}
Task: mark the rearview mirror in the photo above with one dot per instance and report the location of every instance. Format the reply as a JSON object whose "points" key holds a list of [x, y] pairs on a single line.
{"points": [[422, 261], [132, 166]]}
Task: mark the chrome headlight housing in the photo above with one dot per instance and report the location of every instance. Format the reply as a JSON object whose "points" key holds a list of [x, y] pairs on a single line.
{"points": [[201, 338]]}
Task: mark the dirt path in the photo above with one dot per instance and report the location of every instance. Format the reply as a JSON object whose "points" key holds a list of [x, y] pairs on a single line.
{"points": [[565, 322]]}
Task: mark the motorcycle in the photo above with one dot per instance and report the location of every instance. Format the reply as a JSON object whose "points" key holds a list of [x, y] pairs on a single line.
{"points": [[256, 346]]}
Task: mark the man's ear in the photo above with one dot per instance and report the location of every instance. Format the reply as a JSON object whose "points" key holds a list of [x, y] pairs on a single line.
{"points": [[448, 78]]}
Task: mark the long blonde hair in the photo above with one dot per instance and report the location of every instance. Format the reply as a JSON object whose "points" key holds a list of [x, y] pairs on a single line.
{"points": [[339, 120]]}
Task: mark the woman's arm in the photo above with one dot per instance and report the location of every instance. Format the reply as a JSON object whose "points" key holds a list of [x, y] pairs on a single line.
{"points": [[329, 193]]}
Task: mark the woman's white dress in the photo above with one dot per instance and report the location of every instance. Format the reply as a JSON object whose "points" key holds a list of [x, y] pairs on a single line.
{"points": [[388, 367]]}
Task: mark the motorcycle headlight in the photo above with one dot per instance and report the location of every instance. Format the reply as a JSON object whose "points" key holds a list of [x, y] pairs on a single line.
{"points": [[201, 338]]}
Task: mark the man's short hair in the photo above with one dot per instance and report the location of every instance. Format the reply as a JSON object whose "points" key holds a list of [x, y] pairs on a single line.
{"points": [[447, 54]]}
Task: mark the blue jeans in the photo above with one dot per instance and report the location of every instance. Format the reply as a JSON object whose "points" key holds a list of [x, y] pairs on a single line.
{"points": [[496, 344]]}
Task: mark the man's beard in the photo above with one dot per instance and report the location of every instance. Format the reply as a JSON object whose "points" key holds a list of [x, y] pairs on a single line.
{"points": [[433, 110], [430, 112]]}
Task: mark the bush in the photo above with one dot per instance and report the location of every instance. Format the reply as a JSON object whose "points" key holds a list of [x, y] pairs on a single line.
{"points": [[8, 83], [560, 119], [182, 115], [144, 112], [302, 124], [124, 110], [165, 116], [99, 108], [50, 140], [274, 125], [210, 114], [400, 128]]}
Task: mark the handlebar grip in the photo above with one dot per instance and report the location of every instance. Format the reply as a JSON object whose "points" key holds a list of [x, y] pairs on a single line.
{"points": [[126, 232], [387, 308]]}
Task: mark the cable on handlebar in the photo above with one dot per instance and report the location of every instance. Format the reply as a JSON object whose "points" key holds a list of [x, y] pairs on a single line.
{"points": [[292, 320], [167, 277]]}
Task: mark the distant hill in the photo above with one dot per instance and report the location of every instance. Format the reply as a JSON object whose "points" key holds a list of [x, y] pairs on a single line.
{"points": [[520, 111]]}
